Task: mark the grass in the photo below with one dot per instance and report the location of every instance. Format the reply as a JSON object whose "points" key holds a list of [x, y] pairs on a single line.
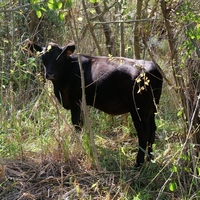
{"points": [[44, 158]]}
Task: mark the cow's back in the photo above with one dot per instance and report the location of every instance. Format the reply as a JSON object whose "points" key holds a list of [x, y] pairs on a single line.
{"points": [[111, 84]]}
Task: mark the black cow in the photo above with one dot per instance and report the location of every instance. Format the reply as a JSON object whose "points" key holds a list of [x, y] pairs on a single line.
{"points": [[114, 85]]}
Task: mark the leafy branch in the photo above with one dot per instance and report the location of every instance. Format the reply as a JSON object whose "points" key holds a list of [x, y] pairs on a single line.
{"points": [[59, 6]]}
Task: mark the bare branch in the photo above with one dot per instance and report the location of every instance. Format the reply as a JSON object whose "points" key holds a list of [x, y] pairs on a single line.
{"points": [[127, 21], [16, 8], [103, 12]]}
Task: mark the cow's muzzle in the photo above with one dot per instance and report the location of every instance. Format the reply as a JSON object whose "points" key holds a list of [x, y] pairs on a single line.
{"points": [[51, 76]]}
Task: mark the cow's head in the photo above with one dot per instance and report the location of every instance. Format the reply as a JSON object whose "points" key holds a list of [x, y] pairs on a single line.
{"points": [[53, 58]]}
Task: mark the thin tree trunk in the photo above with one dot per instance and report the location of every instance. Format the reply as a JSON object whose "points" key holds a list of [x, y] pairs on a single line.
{"points": [[136, 30], [91, 28], [122, 46], [34, 20], [84, 104], [174, 57], [110, 39]]}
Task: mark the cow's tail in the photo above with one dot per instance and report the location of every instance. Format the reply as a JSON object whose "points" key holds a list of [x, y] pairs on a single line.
{"points": [[158, 85]]}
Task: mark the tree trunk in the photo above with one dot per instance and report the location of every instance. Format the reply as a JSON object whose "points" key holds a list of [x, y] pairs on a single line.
{"points": [[187, 81], [110, 39], [91, 28], [83, 103], [174, 54], [136, 30], [34, 21]]}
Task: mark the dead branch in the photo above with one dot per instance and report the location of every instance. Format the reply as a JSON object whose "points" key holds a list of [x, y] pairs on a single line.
{"points": [[16, 8], [126, 21]]}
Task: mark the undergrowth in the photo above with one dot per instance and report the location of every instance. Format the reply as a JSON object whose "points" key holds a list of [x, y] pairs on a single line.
{"points": [[37, 136]]}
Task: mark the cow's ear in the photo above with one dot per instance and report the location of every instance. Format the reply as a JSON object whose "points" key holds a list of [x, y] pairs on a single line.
{"points": [[69, 49], [33, 48]]}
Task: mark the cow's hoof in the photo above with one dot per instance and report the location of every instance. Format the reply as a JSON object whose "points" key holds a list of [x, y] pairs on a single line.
{"points": [[137, 166], [150, 157]]}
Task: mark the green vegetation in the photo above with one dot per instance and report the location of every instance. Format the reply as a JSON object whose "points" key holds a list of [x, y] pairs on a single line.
{"points": [[42, 157]]}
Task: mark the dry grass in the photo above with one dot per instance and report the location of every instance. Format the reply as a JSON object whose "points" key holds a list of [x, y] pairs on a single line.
{"points": [[32, 179]]}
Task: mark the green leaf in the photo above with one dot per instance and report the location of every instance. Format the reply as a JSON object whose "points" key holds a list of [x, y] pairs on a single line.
{"points": [[137, 197], [43, 9], [50, 6], [174, 169], [198, 169], [94, 1], [68, 3], [38, 13], [184, 157], [61, 16], [187, 169], [122, 149], [92, 11], [36, 7], [51, 1], [180, 112], [59, 5], [173, 186], [192, 37], [35, 1]]}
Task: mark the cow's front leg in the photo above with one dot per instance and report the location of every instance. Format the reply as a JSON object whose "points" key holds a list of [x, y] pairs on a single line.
{"points": [[76, 117], [57, 93]]}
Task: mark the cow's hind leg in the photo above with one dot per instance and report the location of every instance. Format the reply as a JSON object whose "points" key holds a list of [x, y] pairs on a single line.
{"points": [[142, 128], [151, 139]]}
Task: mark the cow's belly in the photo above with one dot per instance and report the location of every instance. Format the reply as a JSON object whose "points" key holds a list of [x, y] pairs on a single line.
{"points": [[111, 106]]}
